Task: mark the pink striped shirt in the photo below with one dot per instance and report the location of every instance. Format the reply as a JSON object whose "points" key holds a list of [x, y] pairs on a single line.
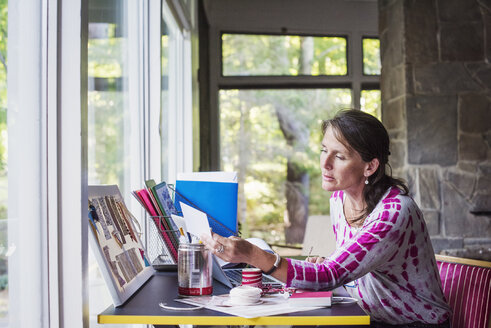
{"points": [[389, 262]]}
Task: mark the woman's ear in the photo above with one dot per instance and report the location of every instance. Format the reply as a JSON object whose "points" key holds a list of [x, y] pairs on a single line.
{"points": [[372, 167]]}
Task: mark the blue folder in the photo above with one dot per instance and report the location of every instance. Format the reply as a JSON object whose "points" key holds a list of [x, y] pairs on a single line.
{"points": [[217, 199]]}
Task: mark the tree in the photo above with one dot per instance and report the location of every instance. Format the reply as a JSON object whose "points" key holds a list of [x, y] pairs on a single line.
{"points": [[270, 136]]}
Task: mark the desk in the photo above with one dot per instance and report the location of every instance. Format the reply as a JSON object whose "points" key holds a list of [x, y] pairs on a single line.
{"points": [[143, 308]]}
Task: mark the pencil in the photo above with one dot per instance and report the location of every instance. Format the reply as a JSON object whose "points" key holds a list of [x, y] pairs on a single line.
{"points": [[310, 252]]}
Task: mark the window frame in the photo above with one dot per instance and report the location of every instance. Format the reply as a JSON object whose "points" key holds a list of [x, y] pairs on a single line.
{"points": [[283, 34], [51, 122], [372, 37], [51, 128], [231, 17]]}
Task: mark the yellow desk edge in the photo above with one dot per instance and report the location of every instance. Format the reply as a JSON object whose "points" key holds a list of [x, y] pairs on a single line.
{"points": [[232, 320]]}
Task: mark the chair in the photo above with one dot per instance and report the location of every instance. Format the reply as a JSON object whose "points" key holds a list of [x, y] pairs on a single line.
{"points": [[467, 287], [319, 236]]}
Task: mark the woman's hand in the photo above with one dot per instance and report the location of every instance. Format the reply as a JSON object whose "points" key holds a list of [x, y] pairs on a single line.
{"points": [[232, 249], [315, 260]]}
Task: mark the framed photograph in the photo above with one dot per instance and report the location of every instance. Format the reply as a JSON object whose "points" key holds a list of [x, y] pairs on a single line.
{"points": [[116, 243]]}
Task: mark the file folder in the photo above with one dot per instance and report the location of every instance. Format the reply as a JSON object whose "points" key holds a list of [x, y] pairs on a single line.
{"points": [[214, 193]]}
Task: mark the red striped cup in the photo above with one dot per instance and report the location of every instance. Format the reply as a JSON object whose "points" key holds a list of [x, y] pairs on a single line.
{"points": [[252, 277]]}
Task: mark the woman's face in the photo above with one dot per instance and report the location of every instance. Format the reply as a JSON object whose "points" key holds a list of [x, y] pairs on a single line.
{"points": [[342, 168]]}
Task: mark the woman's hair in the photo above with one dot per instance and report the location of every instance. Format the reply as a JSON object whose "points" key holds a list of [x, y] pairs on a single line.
{"points": [[366, 135]]}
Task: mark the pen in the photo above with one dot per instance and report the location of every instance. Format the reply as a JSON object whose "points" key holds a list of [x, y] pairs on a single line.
{"points": [[310, 252]]}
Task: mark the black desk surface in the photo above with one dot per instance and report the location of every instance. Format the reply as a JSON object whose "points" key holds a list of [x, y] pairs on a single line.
{"points": [[143, 308]]}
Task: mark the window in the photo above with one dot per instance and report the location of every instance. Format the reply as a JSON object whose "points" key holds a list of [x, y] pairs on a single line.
{"points": [[137, 97], [272, 139], [371, 56], [4, 299], [245, 54], [115, 114], [271, 83], [51, 135]]}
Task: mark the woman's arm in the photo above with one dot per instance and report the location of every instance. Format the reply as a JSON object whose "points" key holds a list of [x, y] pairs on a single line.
{"points": [[238, 250]]}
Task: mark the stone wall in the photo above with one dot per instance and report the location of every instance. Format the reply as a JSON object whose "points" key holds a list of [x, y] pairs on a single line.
{"points": [[436, 104]]}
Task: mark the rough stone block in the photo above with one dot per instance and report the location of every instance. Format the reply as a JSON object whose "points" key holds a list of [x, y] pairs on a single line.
{"points": [[458, 10], [475, 253], [397, 135], [432, 219], [472, 147], [477, 225], [391, 52], [432, 130], [483, 184], [395, 34], [461, 42], [393, 83], [457, 219], [484, 169], [412, 184], [462, 181], [471, 242], [484, 76], [409, 80], [487, 139], [481, 204], [397, 154], [441, 244], [487, 32], [429, 188], [393, 115], [443, 78], [474, 113], [384, 5], [454, 211], [420, 31], [467, 166], [481, 199]]}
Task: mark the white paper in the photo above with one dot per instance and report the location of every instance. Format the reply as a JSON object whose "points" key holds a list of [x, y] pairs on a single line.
{"points": [[180, 223], [217, 176], [196, 221], [270, 305]]}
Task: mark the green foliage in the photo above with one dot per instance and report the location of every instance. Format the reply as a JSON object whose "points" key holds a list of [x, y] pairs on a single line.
{"points": [[253, 144], [4, 281], [371, 103], [371, 57], [281, 55], [105, 57], [3, 84], [105, 138]]}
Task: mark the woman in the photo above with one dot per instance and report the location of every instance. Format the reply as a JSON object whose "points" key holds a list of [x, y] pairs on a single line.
{"points": [[383, 250]]}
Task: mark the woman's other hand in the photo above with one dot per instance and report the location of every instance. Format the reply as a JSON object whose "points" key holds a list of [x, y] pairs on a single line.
{"points": [[315, 260], [232, 249]]}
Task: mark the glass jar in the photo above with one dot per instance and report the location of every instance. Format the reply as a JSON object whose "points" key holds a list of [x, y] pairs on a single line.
{"points": [[194, 270]]}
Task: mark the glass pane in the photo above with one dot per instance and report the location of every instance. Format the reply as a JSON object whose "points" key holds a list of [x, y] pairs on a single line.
{"points": [[166, 36], [4, 293], [264, 135], [371, 56], [113, 114], [370, 102], [250, 55]]}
